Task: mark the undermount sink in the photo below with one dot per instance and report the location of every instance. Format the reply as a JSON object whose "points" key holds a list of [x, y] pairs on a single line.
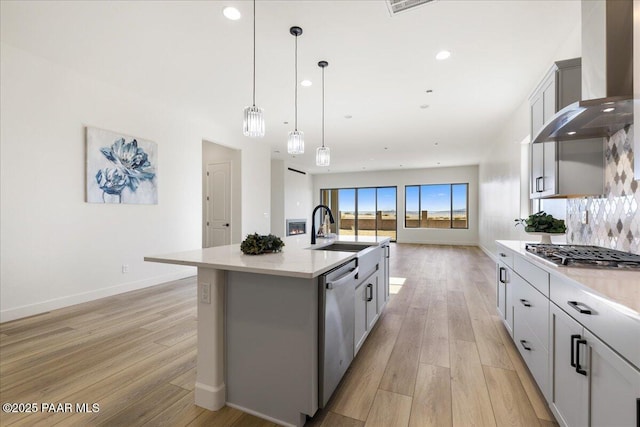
{"points": [[343, 247]]}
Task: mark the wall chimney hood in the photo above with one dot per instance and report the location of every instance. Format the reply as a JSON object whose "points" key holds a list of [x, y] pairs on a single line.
{"points": [[607, 76]]}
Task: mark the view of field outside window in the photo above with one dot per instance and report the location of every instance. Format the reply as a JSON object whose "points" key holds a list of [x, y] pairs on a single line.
{"points": [[436, 206], [367, 211]]}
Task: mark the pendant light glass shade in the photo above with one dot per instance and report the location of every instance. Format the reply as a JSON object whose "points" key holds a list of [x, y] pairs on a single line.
{"points": [[295, 143], [253, 124], [323, 156]]}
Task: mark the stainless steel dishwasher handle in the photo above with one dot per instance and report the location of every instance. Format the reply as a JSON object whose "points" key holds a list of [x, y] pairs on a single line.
{"points": [[344, 279]]}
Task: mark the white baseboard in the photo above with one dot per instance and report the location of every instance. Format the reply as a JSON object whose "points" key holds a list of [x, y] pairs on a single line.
{"points": [[69, 300], [211, 398], [488, 252]]}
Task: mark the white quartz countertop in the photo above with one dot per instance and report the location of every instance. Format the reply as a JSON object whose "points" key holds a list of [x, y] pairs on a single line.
{"points": [[295, 260], [619, 286]]}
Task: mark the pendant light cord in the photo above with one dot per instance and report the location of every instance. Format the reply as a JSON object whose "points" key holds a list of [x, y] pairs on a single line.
{"points": [[296, 86], [323, 107], [254, 53]]}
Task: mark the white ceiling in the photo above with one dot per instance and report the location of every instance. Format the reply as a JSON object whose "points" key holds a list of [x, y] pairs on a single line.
{"points": [[186, 55]]}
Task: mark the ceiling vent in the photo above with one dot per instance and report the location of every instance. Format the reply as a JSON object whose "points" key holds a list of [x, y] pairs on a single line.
{"points": [[398, 6]]}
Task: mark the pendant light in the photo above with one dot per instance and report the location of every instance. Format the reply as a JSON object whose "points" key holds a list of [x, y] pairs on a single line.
{"points": [[323, 154], [295, 142], [253, 123]]}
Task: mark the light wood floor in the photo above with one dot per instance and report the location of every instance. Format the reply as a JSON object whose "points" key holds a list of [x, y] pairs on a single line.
{"points": [[437, 357]]}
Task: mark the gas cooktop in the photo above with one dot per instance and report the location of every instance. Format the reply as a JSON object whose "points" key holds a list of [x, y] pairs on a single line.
{"points": [[585, 256]]}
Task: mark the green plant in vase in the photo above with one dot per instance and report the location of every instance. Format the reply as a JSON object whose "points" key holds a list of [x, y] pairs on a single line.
{"points": [[255, 244], [542, 222]]}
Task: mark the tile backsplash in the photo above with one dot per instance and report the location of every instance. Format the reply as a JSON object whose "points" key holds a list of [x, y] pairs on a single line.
{"points": [[613, 219]]}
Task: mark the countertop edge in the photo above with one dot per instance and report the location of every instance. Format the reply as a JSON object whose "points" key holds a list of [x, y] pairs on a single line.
{"points": [[557, 271]]}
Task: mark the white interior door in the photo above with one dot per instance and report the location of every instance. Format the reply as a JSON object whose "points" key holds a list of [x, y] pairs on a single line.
{"points": [[218, 204]]}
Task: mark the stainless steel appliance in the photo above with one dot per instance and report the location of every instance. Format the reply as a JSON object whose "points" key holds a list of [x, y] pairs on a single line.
{"points": [[584, 256], [336, 326]]}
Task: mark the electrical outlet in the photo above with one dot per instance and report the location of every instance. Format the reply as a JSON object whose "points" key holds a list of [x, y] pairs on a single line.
{"points": [[205, 292], [584, 217], [125, 268]]}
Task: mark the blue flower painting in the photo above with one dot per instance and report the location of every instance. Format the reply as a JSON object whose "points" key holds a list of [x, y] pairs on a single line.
{"points": [[120, 169]]}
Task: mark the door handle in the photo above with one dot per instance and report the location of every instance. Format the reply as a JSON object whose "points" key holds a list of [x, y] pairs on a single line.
{"points": [[344, 279], [578, 367], [524, 345], [576, 306], [370, 288], [226, 225], [573, 338], [525, 302], [503, 279], [538, 181]]}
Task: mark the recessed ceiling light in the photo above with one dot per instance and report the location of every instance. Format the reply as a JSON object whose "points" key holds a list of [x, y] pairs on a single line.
{"points": [[348, 116], [424, 106], [571, 133], [386, 148], [429, 91], [435, 143], [277, 151], [608, 110], [285, 123], [306, 83], [231, 13], [443, 54], [438, 162]]}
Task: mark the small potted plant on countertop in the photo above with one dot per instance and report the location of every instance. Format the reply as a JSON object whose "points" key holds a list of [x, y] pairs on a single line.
{"points": [[542, 224], [256, 244]]}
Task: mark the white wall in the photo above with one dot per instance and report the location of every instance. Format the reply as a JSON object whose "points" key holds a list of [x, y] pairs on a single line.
{"points": [[503, 174], [401, 178], [291, 196], [58, 250]]}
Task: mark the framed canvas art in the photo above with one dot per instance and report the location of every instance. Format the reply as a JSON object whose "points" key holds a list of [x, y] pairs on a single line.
{"points": [[121, 168]]}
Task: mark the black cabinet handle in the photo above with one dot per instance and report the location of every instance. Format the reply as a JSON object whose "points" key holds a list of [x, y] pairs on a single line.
{"points": [[573, 338], [578, 367], [638, 412], [576, 306], [525, 302], [370, 297], [538, 180], [524, 345], [502, 278], [503, 255]]}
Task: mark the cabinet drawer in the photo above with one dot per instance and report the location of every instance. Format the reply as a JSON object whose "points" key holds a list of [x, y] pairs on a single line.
{"points": [[534, 354], [532, 308], [618, 330], [532, 274], [505, 256]]}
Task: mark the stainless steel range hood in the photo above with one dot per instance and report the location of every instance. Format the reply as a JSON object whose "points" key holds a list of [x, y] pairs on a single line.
{"points": [[607, 76]]}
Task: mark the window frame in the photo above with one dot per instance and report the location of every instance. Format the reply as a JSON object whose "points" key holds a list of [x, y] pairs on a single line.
{"points": [[451, 185], [355, 221]]}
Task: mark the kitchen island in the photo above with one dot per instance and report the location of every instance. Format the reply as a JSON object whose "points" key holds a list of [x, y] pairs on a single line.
{"points": [[260, 322]]}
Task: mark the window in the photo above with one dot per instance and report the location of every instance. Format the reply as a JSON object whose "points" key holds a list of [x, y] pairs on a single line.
{"points": [[369, 211], [436, 206]]}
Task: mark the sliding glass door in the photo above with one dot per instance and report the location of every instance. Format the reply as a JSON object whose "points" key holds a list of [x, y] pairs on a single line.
{"points": [[369, 211]]}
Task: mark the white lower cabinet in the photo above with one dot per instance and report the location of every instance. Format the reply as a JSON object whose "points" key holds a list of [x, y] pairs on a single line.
{"points": [[591, 384], [366, 309], [531, 330], [503, 295]]}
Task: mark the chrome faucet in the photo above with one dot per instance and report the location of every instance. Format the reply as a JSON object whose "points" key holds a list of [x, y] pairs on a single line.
{"points": [[313, 221]]}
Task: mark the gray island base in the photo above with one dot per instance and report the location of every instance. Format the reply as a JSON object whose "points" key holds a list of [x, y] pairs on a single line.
{"points": [[261, 325]]}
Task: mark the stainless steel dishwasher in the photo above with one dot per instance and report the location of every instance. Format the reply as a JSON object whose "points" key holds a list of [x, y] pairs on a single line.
{"points": [[336, 326]]}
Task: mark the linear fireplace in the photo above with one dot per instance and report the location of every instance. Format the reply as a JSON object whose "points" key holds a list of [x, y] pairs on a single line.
{"points": [[296, 226]]}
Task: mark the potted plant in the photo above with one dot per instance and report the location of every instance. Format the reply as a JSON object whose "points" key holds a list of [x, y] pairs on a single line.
{"points": [[542, 224], [255, 244]]}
